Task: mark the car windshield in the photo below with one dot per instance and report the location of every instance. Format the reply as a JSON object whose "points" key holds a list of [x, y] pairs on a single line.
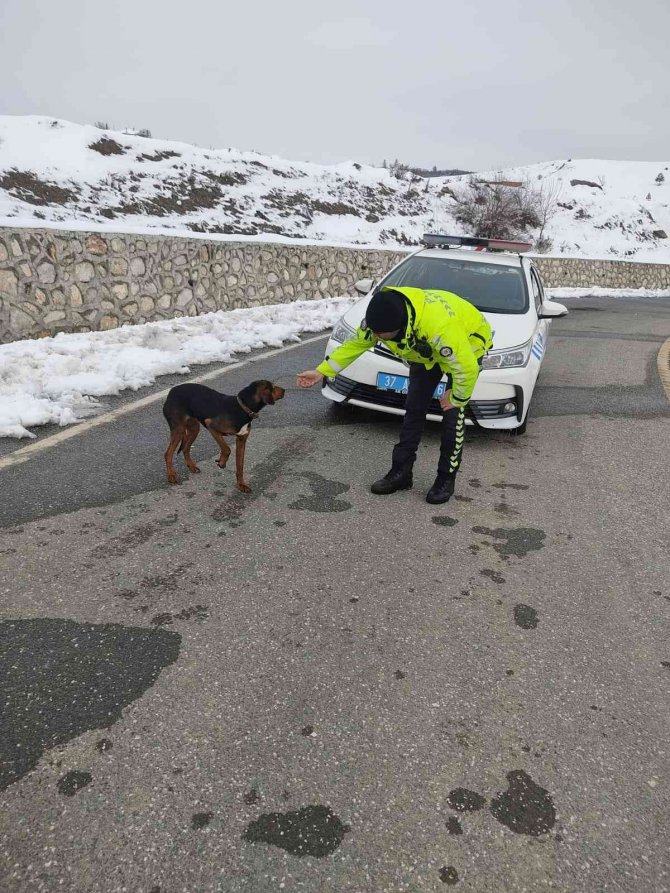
{"points": [[493, 288]]}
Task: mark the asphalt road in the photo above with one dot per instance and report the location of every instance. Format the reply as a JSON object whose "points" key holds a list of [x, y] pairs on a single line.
{"points": [[314, 689]]}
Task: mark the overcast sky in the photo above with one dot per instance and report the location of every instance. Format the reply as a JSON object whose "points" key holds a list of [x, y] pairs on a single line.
{"points": [[471, 84]]}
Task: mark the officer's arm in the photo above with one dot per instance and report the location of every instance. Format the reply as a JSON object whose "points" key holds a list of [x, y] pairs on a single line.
{"points": [[461, 362], [346, 353]]}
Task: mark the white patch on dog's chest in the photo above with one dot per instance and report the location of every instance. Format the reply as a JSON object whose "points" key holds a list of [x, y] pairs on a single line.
{"points": [[244, 429]]}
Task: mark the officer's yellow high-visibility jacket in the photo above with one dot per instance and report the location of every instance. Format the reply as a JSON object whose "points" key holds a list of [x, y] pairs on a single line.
{"points": [[457, 334]]}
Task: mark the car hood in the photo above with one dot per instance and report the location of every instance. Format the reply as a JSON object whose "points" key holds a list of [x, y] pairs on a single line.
{"points": [[509, 329]]}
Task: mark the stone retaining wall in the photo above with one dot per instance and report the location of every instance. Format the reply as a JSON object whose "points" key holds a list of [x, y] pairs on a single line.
{"points": [[58, 281], [575, 272]]}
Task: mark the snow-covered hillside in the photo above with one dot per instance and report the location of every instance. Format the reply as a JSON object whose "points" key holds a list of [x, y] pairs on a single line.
{"points": [[57, 173]]}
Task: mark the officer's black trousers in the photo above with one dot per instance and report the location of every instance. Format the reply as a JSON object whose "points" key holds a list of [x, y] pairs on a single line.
{"points": [[422, 384]]}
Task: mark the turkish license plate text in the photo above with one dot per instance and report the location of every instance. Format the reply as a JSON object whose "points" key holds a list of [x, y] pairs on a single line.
{"points": [[400, 384]]}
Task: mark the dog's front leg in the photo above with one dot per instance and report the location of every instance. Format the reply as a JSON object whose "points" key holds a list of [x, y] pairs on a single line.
{"points": [[239, 463], [223, 446]]}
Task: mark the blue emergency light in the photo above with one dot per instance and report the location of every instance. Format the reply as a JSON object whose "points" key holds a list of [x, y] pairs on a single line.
{"points": [[436, 240]]}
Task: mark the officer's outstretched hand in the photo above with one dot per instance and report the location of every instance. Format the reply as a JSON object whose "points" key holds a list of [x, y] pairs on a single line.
{"points": [[309, 378]]}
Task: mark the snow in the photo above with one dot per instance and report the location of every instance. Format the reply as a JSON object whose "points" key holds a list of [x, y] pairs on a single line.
{"points": [[227, 193], [57, 380], [557, 294]]}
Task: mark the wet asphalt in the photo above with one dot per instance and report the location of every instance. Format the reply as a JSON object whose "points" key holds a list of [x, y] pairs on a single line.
{"points": [[310, 688]]}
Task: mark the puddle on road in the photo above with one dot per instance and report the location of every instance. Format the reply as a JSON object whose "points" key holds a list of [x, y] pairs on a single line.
{"points": [[324, 495], [525, 807], [465, 800], [73, 781], [310, 831], [64, 678], [518, 541], [525, 616]]}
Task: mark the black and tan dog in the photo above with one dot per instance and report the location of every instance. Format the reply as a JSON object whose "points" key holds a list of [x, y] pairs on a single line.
{"points": [[188, 406]]}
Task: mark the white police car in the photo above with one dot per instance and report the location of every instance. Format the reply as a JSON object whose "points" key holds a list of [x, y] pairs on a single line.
{"points": [[494, 276]]}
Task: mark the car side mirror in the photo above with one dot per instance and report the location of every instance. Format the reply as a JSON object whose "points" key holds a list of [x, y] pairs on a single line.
{"points": [[364, 286], [552, 310]]}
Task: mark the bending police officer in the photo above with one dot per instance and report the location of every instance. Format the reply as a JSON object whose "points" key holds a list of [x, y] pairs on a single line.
{"points": [[435, 332]]}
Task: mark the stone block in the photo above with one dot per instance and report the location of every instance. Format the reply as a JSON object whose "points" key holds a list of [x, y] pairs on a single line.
{"points": [[4, 254], [118, 266], [84, 271], [8, 283], [95, 245], [184, 297], [76, 299], [137, 266], [108, 322], [53, 316], [20, 322], [147, 304], [120, 291], [46, 272], [130, 309]]}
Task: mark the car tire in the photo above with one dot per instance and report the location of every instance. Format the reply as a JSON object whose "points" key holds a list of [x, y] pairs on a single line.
{"points": [[340, 411], [518, 432]]}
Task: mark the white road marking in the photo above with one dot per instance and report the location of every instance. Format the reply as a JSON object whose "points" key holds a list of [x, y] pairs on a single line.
{"points": [[27, 452], [663, 363]]}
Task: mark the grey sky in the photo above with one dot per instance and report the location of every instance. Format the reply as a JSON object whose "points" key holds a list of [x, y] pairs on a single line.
{"points": [[473, 84]]}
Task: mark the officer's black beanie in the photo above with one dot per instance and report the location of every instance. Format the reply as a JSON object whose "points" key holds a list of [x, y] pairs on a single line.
{"points": [[387, 311]]}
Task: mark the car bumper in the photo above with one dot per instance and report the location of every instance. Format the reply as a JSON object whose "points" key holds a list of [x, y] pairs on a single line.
{"points": [[490, 406]]}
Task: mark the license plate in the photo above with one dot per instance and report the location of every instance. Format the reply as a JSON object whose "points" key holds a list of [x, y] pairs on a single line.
{"points": [[400, 384]]}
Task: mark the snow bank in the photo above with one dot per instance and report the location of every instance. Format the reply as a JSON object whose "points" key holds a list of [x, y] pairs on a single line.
{"points": [[57, 380], [598, 292]]}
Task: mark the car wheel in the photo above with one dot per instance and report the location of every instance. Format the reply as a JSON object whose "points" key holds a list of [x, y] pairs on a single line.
{"points": [[340, 411], [517, 432]]}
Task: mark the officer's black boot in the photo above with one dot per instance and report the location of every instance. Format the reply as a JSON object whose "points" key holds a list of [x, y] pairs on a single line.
{"points": [[398, 478], [442, 490]]}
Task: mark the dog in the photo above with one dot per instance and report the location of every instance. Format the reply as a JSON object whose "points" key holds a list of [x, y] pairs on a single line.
{"points": [[187, 406]]}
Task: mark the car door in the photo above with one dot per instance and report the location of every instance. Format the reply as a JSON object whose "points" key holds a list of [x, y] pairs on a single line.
{"points": [[542, 325]]}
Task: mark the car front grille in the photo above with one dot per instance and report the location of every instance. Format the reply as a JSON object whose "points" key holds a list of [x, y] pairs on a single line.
{"points": [[475, 410]]}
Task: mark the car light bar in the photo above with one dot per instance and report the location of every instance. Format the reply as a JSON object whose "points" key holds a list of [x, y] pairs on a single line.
{"points": [[435, 240]]}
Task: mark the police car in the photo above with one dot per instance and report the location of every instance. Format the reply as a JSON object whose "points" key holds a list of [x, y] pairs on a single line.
{"points": [[493, 275]]}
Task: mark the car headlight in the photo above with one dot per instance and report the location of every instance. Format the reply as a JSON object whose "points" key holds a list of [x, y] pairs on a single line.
{"points": [[342, 331], [506, 359]]}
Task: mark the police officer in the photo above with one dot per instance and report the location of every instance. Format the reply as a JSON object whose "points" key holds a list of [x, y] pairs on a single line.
{"points": [[435, 332]]}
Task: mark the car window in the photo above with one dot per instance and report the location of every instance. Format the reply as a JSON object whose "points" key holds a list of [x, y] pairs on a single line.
{"points": [[537, 289], [493, 288]]}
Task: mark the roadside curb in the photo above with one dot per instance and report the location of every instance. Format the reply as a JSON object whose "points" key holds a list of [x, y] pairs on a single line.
{"points": [[663, 363]]}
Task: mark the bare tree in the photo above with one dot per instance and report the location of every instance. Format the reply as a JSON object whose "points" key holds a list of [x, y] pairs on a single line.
{"points": [[505, 209], [548, 195], [398, 170]]}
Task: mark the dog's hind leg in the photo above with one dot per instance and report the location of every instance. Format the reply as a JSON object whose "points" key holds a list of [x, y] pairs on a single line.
{"points": [[177, 434], [192, 429]]}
